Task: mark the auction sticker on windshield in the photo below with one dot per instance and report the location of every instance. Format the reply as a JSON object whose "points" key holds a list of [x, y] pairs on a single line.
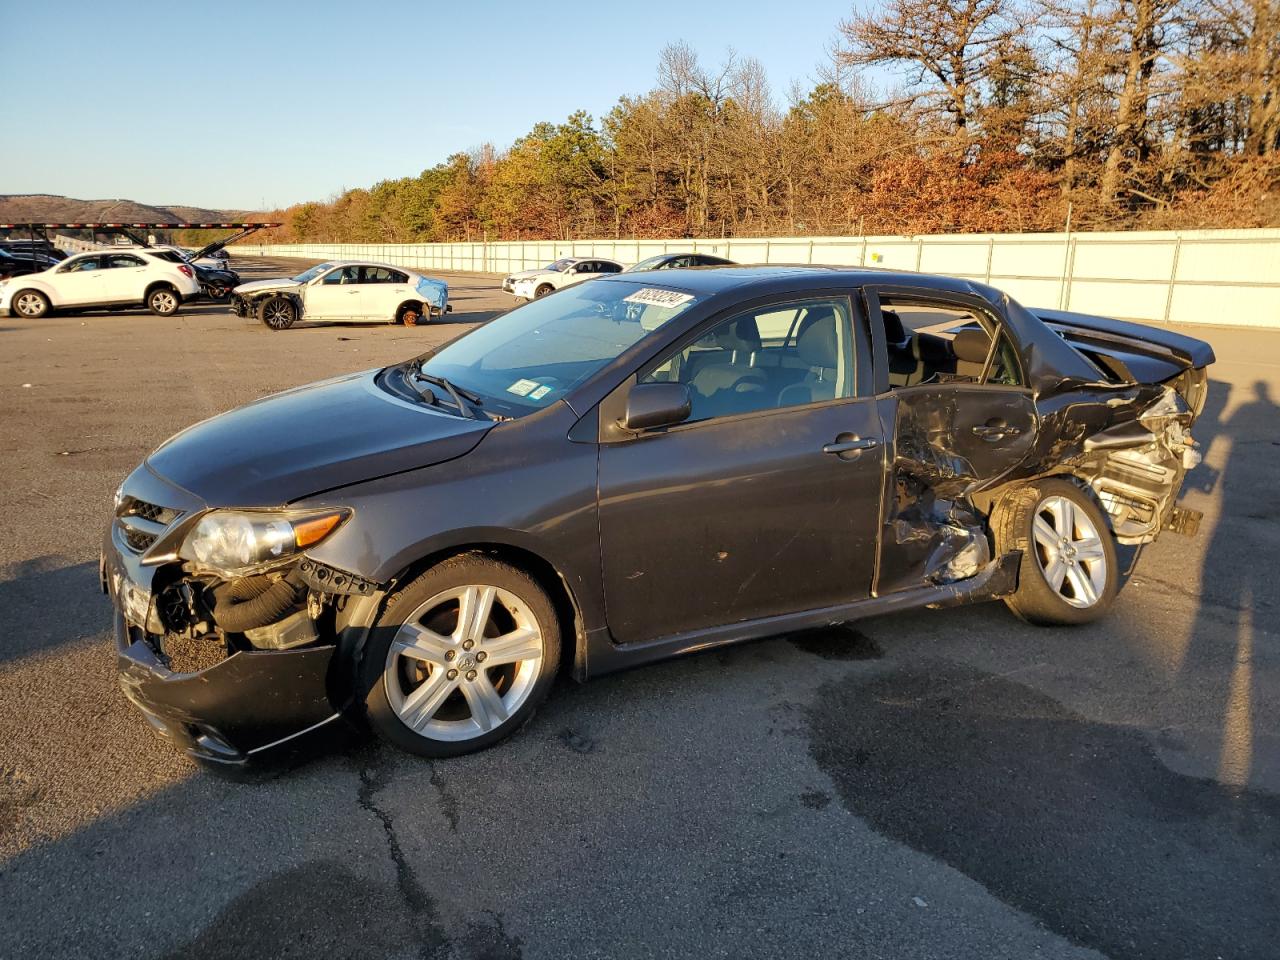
{"points": [[521, 388], [657, 297]]}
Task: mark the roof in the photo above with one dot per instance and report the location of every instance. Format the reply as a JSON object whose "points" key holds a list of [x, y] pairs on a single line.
{"points": [[779, 278]]}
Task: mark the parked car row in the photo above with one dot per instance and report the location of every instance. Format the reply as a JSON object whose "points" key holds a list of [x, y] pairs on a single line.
{"points": [[532, 284]]}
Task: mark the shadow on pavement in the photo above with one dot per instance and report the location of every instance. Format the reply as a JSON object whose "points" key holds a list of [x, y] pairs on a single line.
{"points": [[1073, 821], [51, 603]]}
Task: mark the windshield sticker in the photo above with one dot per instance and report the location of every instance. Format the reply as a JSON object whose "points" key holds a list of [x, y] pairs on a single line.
{"points": [[541, 392], [657, 297], [521, 388]]}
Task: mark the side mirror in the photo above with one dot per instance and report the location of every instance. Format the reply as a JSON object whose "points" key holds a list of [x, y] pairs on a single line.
{"points": [[657, 405]]}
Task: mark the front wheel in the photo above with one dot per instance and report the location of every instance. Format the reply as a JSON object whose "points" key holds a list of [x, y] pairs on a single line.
{"points": [[460, 658], [542, 291], [278, 313], [163, 302], [1069, 571], [31, 304]]}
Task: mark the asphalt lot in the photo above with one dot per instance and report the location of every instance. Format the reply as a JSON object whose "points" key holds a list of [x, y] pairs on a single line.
{"points": [[934, 784]]}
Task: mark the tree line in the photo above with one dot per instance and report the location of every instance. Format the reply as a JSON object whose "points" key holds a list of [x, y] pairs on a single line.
{"points": [[930, 116]]}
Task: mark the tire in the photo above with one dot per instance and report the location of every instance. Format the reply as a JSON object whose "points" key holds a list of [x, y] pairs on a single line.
{"points": [[30, 304], [411, 316], [163, 301], [1069, 573], [543, 290], [439, 700], [278, 313], [216, 291]]}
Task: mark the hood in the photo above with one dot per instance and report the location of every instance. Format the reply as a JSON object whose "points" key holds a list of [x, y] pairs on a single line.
{"points": [[313, 438], [526, 274], [277, 284]]}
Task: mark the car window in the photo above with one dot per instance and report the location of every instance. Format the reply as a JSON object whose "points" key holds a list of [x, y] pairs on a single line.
{"points": [[171, 256], [124, 260], [82, 265], [928, 343], [605, 266], [342, 275], [381, 275], [733, 369]]}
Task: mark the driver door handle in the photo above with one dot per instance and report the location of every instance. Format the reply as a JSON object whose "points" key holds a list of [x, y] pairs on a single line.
{"points": [[853, 443]]}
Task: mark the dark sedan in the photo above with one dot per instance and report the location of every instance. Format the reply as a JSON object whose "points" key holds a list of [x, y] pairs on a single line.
{"points": [[633, 468], [676, 261]]}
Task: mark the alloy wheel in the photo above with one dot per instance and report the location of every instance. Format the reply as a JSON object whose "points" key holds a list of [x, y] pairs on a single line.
{"points": [[1069, 550], [463, 662], [164, 302], [277, 315], [30, 305]]}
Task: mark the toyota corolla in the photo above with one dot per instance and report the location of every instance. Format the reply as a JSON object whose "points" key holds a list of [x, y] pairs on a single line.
{"points": [[636, 467]]}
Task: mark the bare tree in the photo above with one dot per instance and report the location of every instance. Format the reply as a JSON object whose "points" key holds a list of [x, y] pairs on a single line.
{"points": [[948, 47]]}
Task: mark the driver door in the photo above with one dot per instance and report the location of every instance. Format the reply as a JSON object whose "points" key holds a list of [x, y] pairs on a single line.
{"points": [[766, 500], [81, 282], [335, 295]]}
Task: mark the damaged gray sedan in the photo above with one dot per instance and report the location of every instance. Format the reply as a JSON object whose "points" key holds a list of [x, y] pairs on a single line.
{"points": [[633, 468]]}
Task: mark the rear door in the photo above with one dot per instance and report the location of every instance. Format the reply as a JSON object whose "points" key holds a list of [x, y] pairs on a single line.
{"points": [[382, 290], [124, 277], [962, 416], [766, 501]]}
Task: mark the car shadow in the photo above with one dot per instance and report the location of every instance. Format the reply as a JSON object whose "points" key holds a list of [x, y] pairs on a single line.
{"points": [[47, 603]]}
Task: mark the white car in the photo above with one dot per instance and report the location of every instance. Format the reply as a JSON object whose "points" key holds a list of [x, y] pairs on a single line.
{"points": [[99, 280], [349, 290], [511, 279], [560, 274]]}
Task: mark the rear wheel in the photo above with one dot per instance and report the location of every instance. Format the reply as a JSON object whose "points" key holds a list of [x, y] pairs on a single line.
{"points": [[461, 657], [31, 304], [278, 313], [1069, 572], [163, 301], [411, 315]]}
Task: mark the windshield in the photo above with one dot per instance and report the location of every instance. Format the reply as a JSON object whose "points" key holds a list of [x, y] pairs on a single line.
{"points": [[531, 357], [559, 265], [311, 274], [648, 264]]}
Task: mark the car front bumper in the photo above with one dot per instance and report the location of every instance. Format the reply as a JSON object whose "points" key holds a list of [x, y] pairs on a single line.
{"points": [[248, 704]]}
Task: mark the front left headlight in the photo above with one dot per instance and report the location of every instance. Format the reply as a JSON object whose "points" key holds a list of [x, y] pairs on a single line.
{"points": [[238, 542]]}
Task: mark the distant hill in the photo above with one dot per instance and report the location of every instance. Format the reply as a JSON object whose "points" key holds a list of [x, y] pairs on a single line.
{"points": [[47, 208]]}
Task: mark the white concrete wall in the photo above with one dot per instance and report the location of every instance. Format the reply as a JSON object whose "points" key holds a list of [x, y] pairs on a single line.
{"points": [[1195, 276]]}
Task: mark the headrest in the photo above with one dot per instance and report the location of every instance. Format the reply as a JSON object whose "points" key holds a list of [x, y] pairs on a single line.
{"points": [[894, 331], [817, 345], [971, 345], [743, 334]]}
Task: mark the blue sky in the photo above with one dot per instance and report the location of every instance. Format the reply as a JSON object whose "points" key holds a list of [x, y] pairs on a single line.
{"points": [[232, 104]]}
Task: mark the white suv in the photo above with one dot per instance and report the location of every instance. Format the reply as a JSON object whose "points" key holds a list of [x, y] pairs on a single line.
{"points": [[560, 274], [98, 280]]}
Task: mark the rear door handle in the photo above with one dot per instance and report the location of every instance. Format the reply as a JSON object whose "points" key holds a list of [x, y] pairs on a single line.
{"points": [[850, 445], [994, 430]]}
